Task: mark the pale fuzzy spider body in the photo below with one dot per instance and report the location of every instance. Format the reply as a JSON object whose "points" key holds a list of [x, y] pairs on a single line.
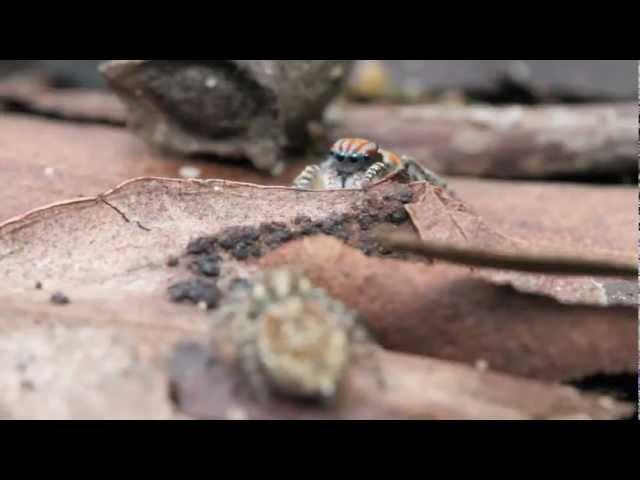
{"points": [[356, 162], [291, 338]]}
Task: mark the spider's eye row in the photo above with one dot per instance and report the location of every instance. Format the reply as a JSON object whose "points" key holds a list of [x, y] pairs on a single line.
{"points": [[354, 157], [339, 156]]}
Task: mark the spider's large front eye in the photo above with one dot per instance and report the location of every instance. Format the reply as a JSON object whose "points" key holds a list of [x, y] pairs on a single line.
{"points": [[355, 159]]}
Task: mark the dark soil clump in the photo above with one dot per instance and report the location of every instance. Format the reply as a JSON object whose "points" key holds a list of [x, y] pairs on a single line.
{"points": [[196, 291]]}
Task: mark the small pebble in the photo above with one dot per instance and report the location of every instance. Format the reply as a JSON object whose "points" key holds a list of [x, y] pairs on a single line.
{"points": [[482, 365], [203, 306], [211, 82], [190, 172], [38, 285], [60, 299]]}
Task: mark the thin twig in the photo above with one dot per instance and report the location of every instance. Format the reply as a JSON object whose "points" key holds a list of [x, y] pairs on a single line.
{"points": [[533, 261]]}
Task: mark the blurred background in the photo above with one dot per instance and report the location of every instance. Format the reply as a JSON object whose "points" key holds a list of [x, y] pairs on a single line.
{"points": [[545, 120], [492, 81]]}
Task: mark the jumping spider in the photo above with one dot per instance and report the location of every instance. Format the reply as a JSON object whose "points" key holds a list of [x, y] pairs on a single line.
{"points": [[291, 339], [356, 162]]}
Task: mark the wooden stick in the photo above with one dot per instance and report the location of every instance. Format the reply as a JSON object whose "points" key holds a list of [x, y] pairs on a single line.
{"points": [[534, 261]]}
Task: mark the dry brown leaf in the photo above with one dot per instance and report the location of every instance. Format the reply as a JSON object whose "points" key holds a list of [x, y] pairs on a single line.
{"points": [[586, 219], [581, 217], [448, 312], [113, 268], [87, 250], [110, 260], [439, 218]]}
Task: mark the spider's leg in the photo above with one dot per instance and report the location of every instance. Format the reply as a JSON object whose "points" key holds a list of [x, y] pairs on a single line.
{"points": [[252, 373], [247, 365], [376, 170], [306, 178], [418, 173]]}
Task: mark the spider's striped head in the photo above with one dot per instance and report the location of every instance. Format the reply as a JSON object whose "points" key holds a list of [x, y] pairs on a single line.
{"points": [[354, 154]]}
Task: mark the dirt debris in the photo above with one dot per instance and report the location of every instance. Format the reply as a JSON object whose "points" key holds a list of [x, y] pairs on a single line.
{"points": [[195, 291]]}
